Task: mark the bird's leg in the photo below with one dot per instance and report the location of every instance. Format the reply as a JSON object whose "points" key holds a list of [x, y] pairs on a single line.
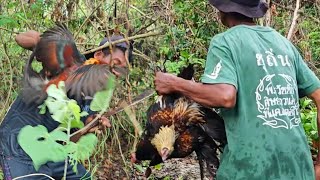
{"points": [[200, 159]]}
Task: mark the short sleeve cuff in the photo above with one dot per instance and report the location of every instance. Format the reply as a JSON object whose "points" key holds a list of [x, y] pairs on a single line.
{"points": [[309, 89], [206, 79]]}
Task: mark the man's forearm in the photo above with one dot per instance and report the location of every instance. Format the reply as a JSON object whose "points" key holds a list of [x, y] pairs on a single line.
{"points": [[318, 124], [315, 96], [212, 95], [218, 95]]}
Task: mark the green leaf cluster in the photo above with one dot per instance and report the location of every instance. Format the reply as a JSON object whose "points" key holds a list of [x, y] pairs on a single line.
{"points": [[101, 100], [55, 146], [187, 40], [43, 146], [308, 116], [63, 109]]}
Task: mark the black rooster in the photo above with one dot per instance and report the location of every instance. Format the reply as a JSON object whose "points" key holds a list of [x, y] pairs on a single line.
{"points": [[62, 61], [176, 127]]}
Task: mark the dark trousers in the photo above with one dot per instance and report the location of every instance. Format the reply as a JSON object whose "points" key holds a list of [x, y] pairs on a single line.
{"points": [[15, 167]]}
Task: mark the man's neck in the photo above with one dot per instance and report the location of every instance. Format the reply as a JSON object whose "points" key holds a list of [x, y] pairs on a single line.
{"points": [[236, 23]]}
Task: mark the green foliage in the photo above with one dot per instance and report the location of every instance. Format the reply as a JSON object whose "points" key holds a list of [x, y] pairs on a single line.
{"points": [[56, 146], [187, 28], [309, 119], [187, 40], [81, 150], [312, 42], [42, 146], [158, 167], [63, 109], [139, 168], [101, 100]]}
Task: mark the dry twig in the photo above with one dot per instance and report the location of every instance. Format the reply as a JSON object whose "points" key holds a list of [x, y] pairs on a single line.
{"points": [[9, 30], [11, 80], [25, 14], [299, 11], [122, 40], [294, 20], [86, 20]]}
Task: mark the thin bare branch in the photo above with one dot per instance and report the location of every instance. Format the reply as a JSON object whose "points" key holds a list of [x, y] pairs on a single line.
{"points": [[146, 26], [25, 14], [9, 30], [123, 40], [86, 20], [11, 80], [300, 12], [294, 20], [143, 56]]}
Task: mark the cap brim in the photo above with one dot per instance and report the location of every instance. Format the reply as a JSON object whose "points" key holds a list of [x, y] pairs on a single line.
{"points": [[230, 6], [105, 40], [90, 55]]}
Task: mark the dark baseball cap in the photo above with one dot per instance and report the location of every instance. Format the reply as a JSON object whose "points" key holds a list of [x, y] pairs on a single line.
{"points": [[251, 9], [113, 38]]}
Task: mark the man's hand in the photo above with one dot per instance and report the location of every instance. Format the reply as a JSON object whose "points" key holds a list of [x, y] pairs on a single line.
{"points": [[101, 127], [165, 83], [28, 40]]}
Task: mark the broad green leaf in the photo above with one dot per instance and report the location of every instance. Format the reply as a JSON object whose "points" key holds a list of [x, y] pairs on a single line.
{"points": [[75, 111], [58, 110], [184, 54], [84, 113], [307, 126], [139, 167], [314, 122], [306, 102], [158, 167], [303, 117], [57, 102], [63, 109], [101, 99], [314, 132], [81, 150], [43, 108], [6, 20], [86, 145], [42, 146], [57, 92]]}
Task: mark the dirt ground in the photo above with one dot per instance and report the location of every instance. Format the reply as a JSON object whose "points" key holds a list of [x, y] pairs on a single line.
{"points": [[180, 169]]}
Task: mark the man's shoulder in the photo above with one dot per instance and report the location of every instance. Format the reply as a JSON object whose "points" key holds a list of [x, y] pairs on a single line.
{"points": [[245, 33], [244, 29]]}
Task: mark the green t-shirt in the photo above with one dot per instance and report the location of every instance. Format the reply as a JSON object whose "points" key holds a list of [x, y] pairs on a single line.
{"points": [[265, 136]]}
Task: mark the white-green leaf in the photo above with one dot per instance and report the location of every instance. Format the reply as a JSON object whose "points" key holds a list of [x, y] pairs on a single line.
{"points": [[101, 99], [83, 149], [42, 146]]}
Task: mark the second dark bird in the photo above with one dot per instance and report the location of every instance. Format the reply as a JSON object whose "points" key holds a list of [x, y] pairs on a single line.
{"points": [[62, 61]]}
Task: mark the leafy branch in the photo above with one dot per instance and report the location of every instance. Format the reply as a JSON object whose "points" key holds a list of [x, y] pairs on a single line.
{"points": [[56, 146]]}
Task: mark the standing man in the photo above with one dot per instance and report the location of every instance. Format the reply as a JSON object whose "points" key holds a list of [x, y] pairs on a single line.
{"points": [[13, 160], [256, 76]]}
